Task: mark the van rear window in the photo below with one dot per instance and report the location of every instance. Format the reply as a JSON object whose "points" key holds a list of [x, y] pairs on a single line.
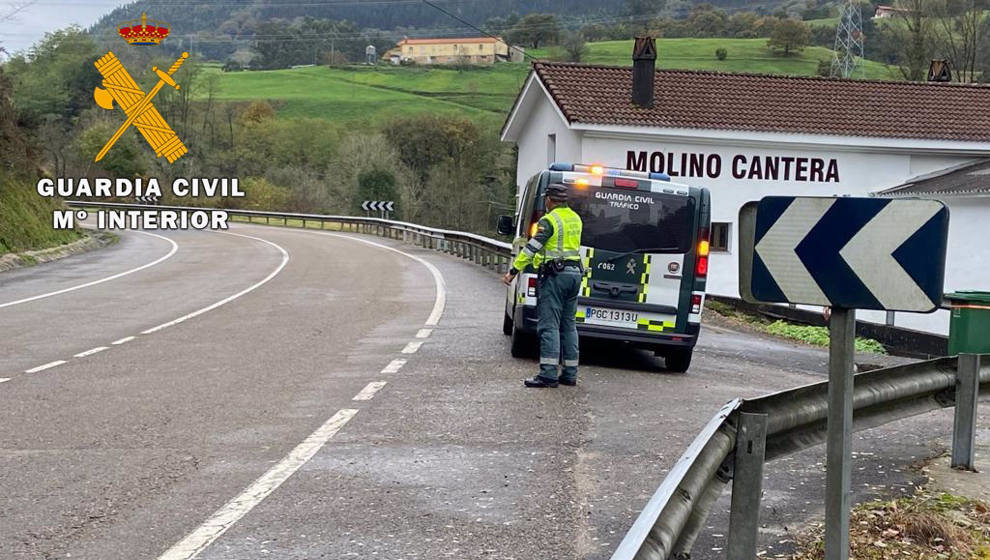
{"points": [[626, 220]]}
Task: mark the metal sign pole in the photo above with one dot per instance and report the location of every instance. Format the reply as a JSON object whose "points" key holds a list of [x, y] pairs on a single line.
{"points": [[842, 353]]}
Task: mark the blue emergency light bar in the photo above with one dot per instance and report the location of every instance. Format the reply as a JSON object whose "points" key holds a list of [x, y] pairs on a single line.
{"points": [[602, 170]]}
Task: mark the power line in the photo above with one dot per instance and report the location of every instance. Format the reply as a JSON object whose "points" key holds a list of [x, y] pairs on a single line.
{"points": [[476, 28]]}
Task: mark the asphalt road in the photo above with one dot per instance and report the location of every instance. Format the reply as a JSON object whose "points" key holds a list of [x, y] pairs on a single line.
{"points": [[227, 427]]}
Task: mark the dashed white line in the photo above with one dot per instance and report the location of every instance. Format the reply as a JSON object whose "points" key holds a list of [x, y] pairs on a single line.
{"points": [[232, 511], [91, 352], [285, 260], [394, 366], [424, 333], [175, 248], [412, 347], [4, 379], [123, 340], [369, 391], [44, 367]]}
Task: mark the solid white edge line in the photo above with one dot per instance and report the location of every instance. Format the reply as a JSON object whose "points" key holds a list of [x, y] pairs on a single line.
{"points": [[123, 340], [412, 347], [225, 517], [285, 260], [369, 391], [394, 366], [175, 247], [424, 333], [91, 352], [44, 367], [441, 286]]}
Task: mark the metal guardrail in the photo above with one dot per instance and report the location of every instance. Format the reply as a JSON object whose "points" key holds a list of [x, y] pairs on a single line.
{"points": [[745, 433], [483, 251]]}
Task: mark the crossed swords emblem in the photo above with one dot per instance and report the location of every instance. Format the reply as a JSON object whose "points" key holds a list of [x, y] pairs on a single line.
{"points": [[119, 86]]}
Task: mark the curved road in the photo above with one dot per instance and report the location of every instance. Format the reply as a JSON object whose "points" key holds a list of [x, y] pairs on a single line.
{"points": [[298, 394]]}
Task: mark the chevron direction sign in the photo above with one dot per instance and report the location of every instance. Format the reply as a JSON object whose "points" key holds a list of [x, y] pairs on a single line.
{"points": [[378, 205], [855, 253]]}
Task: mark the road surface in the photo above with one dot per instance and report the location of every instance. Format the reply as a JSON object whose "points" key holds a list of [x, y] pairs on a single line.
{"points": [[279, 393]]}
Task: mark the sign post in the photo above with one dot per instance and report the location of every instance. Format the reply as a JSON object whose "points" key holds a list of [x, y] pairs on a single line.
{"points": [[845, 254]]}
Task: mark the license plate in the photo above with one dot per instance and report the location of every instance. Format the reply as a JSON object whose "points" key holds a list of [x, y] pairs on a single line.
{"points": [[611, 315]]}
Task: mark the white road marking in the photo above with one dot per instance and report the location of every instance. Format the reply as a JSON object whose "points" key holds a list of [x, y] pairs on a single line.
{"points": [[424, 333], [4, 379], [123, 340], [175, 248], [44, 367], [369, 391], [412, 347], [441, 286], [225, 517], [285, 260], [91, 352], [394, 366]]}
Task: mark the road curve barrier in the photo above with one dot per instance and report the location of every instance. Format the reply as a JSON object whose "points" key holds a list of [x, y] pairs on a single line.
{"points": [[744, 434], [486, 252]]}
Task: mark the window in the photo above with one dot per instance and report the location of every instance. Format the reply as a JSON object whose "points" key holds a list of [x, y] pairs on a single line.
{"points": [[720, 236], [551, 148]]}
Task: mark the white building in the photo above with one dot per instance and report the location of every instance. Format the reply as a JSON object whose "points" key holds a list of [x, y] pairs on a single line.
{"points": [[747, 136]]}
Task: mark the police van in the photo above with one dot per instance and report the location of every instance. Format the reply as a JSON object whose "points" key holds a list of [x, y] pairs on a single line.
{"points": [[644, 249]]}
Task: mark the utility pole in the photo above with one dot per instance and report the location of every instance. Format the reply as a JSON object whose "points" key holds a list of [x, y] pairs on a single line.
{"points": [[848, 41]]}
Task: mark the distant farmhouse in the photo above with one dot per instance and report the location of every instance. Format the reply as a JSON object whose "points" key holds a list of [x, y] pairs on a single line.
{"points": [[885, 12], [447, 50]]}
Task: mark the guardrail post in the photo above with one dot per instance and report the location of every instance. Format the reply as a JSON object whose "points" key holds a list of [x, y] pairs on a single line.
{"points": [[304, 223], [964, 425], [747, 486]]}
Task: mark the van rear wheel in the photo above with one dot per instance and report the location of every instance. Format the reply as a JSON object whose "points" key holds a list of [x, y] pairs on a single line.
{"points": [[678, 361], [523, 345]]}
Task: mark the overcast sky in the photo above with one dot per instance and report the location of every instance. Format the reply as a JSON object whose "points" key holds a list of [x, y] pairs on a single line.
{"points": [[43, 16]]}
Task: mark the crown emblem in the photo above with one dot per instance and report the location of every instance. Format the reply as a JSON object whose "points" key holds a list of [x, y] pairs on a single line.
{"points": [[139, 32]]}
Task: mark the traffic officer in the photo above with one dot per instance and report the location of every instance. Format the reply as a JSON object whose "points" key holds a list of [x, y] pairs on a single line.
{"points": [[555, 250]]}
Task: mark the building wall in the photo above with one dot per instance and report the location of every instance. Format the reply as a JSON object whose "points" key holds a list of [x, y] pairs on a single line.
{"points": [[858, 174], [454, 53]]}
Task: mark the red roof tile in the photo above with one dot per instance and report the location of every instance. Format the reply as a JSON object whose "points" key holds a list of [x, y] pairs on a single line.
{"points": [[591, 94]]}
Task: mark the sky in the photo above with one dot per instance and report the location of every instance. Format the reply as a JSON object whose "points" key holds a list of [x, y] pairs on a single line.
{"points": [[42, 16]]}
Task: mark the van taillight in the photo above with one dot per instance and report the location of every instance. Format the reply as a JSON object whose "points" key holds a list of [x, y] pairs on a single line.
{"points": [[696, 303], [701, 269], [531, 287]]}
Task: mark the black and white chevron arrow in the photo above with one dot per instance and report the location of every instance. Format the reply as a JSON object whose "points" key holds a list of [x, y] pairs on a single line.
{"points": [[856, 253], [147, 199], [379, 205]]}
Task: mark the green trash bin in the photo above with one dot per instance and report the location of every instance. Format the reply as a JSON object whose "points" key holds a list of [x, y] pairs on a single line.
{"points": [[969, 323]]}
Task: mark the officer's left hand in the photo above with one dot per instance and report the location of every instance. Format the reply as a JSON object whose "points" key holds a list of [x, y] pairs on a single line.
{"points": [[507, 279]]}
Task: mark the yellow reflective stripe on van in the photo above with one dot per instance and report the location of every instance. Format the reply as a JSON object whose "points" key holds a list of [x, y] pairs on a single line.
{"points": [[644, 280], [660, 326], [580, 316], [585, 288]]}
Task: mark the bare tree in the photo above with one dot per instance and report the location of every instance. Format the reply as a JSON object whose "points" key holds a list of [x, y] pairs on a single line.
{"points": [[915, 37], [961, 28]]}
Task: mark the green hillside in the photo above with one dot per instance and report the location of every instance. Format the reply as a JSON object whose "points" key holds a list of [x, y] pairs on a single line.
{"points": [[375, 94]]}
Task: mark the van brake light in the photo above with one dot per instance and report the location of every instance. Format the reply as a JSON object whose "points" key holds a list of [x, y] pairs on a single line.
{"points": [[531, 287], [695, 304]]}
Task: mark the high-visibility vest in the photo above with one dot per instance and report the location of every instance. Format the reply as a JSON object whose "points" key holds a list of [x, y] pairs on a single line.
{"points": [[565, 242]]}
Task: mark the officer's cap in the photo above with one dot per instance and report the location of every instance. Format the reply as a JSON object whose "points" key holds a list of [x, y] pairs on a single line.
{"points": [[557, 192]]}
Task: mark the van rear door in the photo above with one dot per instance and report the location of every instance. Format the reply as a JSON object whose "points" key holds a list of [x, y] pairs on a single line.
{"points": [[635, 244]]}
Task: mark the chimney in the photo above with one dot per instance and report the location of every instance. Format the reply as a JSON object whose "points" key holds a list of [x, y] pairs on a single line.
{"points": [[940, 71], [644, 71]]}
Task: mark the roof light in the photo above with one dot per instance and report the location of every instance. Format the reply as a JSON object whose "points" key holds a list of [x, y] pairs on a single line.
{"points": [[582, 183], [660, 176], [597, 170], [626, 183], [561, 166]]}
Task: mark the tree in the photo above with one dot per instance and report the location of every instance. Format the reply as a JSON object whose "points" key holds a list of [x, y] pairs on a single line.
{"points": [[790, 35], [574, 48], [962, 25], [535, 30], [914, 35], [374, 184]]}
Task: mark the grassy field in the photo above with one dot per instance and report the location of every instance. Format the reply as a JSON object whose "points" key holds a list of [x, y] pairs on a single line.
{"points": [[372, 95]]}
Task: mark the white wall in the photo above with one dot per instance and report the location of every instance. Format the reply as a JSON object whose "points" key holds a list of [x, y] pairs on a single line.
{"points": [[543, 121]]}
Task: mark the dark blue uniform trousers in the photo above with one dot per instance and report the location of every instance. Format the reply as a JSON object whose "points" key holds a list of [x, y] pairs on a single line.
{"points": [[556, 308]]}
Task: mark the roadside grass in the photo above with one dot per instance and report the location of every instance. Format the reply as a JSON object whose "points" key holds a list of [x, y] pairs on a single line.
{"points": [[815, 336], [372, 95], [925, 526], [26, 220]]}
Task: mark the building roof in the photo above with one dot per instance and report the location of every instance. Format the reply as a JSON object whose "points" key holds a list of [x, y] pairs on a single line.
{"points": [[449, 40], [602, 95], [969, 179]]}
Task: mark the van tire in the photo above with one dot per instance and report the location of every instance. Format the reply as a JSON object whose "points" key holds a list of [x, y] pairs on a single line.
{"points": [[507, 325], [523, 345], [678, 361]]}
